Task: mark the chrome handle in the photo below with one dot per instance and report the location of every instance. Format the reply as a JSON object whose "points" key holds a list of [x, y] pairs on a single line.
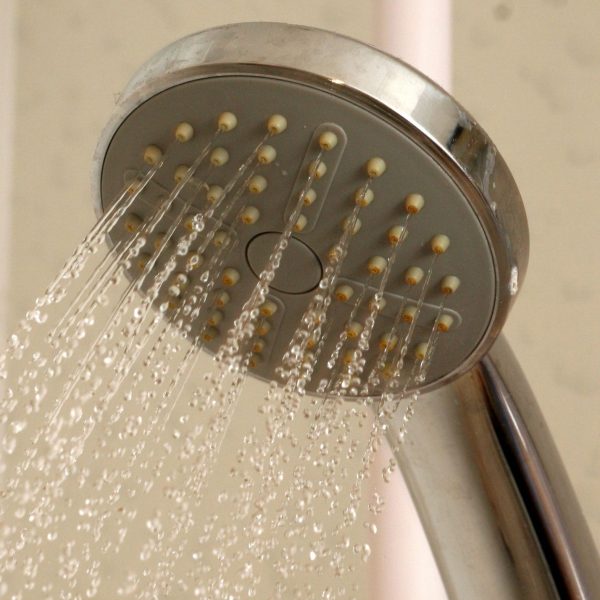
{"points": [[492, 493]]}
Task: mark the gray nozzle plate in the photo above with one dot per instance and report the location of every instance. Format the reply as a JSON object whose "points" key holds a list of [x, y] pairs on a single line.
{"points": [[410, 169]]}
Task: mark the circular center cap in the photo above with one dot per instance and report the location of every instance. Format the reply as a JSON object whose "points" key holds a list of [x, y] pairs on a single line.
{"points": [[300, 270]]}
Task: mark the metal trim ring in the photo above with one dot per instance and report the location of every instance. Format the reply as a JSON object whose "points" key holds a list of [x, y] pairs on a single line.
{"points": [[377, 82]]}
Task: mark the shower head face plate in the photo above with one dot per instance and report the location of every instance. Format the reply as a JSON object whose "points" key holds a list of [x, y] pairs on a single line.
{"points": [[364, 129]]}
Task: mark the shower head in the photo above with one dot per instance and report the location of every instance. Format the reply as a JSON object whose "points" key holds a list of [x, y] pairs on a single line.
{"points": [[404, 220]]}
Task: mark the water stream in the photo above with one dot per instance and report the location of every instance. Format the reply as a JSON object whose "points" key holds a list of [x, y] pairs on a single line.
{"points": [[133, 469]]}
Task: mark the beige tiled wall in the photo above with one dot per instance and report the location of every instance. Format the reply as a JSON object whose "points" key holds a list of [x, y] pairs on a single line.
{"points": [[528, 71]]}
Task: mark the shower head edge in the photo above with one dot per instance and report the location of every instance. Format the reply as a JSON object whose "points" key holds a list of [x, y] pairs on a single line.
{"points": [[392, 90]]}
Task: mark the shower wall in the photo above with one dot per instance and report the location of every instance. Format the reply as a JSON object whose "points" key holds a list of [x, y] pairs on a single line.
{"points": [[528, 72], [7, 122]]}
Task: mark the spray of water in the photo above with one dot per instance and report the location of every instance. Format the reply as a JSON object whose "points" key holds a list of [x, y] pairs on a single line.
{"points": [[105, 404]]}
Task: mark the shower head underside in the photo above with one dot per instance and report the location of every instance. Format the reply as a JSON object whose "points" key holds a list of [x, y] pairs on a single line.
{"points": [[275, 122]]}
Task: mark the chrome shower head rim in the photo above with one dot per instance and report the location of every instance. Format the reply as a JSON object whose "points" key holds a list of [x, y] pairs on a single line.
{"points": [[377, 82]]}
